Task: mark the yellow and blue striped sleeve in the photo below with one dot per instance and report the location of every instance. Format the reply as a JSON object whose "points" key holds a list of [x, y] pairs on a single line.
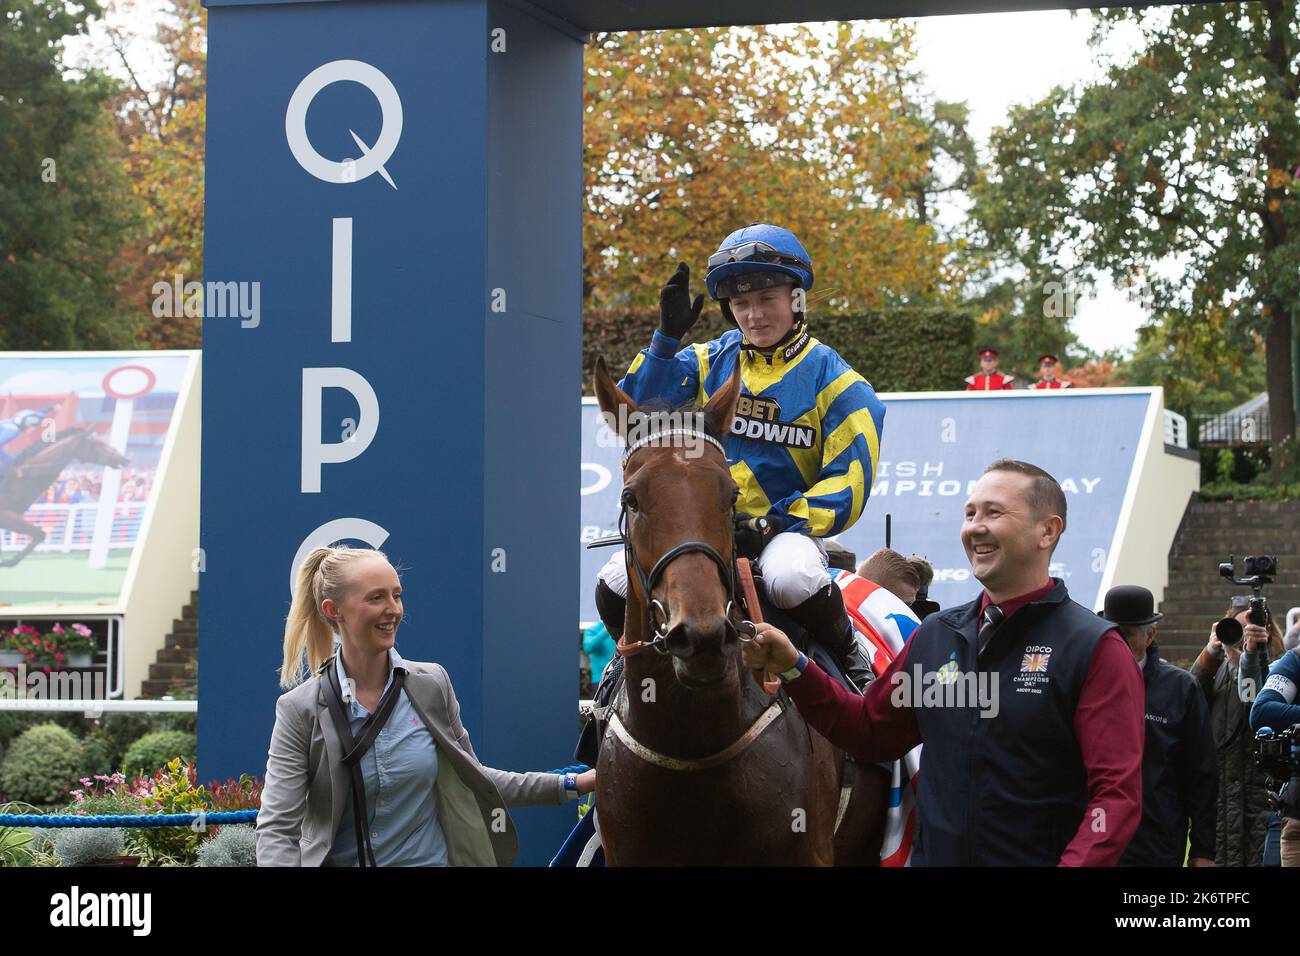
{"points": [[665, 373], [852, 421]]}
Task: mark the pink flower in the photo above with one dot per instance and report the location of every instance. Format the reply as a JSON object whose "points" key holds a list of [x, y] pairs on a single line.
{"points": [[58, 658], [57, 628]]}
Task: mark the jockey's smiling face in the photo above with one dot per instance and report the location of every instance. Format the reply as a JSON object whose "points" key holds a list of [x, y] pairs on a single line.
{"points": [[370, 613], [764, 315]]}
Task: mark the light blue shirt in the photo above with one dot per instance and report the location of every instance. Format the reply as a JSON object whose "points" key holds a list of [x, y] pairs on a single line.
{"points": [[399, 771]]}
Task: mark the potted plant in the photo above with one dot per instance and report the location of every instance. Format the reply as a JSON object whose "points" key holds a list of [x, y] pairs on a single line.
{"points": [[10, 655], [99, 846], [30, 645], [77, 644]]}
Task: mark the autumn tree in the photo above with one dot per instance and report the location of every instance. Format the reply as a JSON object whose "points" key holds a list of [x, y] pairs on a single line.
{"points": [[1181, 158], [65, 204], [690, 134], [161, 124]]}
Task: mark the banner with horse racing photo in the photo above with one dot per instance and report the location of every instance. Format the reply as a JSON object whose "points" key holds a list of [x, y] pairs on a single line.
{"points": [[82, 443]]}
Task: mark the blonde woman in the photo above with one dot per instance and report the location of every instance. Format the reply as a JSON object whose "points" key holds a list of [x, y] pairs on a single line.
{"points": [[425, 798]]}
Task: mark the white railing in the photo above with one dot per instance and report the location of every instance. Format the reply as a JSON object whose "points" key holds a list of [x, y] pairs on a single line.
{"points": [[71, 527], [1175, 429]]}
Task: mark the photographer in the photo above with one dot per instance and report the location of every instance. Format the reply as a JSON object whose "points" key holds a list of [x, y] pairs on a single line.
{"points": [[1276, 707], [1243, 809]]}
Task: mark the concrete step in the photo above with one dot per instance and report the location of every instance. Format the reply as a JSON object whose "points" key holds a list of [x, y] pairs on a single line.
{"points": [[169, 671], [182, 625]]}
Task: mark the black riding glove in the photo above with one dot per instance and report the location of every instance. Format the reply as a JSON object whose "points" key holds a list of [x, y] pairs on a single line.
{"points": [[753, 534], [676, 311]]}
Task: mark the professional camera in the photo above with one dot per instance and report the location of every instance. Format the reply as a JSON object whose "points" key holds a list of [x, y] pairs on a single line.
{"points": [[1278, 755], [1260, 570]]}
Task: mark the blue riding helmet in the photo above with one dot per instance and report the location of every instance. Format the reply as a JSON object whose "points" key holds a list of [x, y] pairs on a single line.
{"points": [[758, 248]]}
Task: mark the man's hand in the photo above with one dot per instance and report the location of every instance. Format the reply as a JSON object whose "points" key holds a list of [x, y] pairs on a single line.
{"points": [[1215, 647], [1254, 638], [587, 781], [769, 651], [676, 312], [1199, 861]]}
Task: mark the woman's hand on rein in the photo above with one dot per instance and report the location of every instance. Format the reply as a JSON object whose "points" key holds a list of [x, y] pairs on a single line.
{"points": [[770, 650], [586, 781]]}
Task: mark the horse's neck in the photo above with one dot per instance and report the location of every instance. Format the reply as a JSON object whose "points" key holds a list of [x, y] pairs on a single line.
{"points": [[675, 720]]}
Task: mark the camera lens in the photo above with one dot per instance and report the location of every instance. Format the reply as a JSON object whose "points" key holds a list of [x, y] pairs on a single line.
{"points": [[1228, 631]]}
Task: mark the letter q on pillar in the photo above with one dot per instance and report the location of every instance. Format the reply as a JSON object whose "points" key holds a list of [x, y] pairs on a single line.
{"points": [[315, 452]]}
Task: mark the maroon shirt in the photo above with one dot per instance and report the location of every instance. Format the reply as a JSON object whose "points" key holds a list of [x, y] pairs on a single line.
{"points": [[1109, 722]]}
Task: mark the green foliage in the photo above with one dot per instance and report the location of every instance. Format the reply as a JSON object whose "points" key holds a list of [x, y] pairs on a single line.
{"points": [[41, 764], [230, 846], [1183, 152], [174, 790], [1226, 464], [106, 739], [66, 206], [903, 349], [19, 845], [82, 846], [153, 751]]}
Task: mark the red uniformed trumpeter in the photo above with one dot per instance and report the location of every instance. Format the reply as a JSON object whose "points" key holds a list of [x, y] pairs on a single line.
{"points": [[1047, 370], [988, 378]]}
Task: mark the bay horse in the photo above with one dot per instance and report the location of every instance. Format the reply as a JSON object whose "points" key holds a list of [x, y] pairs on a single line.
{"points": [[699, 764], [35, 469]]}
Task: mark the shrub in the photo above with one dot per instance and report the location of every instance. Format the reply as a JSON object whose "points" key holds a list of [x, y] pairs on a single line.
{"points": [[174, 789], [82, 846], [231, 846], [153, 751], [41, 764]]}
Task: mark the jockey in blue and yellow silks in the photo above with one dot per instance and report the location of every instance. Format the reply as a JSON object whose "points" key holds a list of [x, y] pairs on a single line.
{"points": [[804, 443], [11, 428]]}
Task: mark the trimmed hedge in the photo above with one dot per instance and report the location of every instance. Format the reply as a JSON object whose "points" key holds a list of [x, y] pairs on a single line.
{"points": [[906, 349], [152, 751], [41, 764]]}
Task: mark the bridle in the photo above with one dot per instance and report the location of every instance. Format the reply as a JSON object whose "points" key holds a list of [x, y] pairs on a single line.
{"points": [[656, 616], [656, 621]]}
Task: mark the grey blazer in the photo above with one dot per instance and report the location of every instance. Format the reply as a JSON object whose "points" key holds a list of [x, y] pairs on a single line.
{"points": [[307, 789]]}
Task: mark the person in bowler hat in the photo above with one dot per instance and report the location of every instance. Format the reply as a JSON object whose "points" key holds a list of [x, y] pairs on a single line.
{"points": [[1179, 769]]}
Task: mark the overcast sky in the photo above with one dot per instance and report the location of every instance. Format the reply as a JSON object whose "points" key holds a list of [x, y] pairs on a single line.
{"points": [[990, 61]]}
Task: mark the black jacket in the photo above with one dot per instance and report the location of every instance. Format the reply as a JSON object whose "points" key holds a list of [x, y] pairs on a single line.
{"points": [[1008, 791], [1180, 774]]}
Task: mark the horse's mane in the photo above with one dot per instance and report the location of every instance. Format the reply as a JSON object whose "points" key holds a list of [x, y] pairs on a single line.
{"points": [[35, 447]]}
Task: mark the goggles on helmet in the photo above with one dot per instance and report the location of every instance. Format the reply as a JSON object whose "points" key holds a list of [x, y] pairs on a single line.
{"points": [[755, 251]]}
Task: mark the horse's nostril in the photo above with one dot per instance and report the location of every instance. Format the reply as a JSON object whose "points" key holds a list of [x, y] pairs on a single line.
{"points": [[685, 639]]}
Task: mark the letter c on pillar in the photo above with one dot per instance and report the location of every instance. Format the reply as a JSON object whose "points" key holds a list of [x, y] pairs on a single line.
{"points": [[315, 452], [340, 529]]}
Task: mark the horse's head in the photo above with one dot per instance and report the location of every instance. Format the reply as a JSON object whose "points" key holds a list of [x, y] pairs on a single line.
{"points": [[678, 500], [91, 449]]}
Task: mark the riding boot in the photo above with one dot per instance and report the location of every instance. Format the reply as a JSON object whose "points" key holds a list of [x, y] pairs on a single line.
{"points": [[825, 618], [612, 609]]}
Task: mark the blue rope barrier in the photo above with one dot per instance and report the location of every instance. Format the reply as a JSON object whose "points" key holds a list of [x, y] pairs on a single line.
{"points": [[127, 821]]}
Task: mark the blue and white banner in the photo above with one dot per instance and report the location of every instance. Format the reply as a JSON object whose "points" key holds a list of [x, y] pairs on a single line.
{"points": [[933, 450]]}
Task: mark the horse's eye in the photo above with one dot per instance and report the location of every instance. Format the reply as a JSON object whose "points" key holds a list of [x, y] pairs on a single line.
{"points": [[629, 501]]}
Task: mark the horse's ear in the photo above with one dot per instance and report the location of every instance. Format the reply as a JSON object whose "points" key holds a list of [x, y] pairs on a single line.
{"points": [[611, 399], [721, 408]]}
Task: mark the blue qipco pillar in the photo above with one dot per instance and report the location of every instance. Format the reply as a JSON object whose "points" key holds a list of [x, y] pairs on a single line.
{"points": [[403, 182]]}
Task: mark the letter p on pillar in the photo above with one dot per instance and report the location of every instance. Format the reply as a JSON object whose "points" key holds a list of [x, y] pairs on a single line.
{"points": [[316, 452]]}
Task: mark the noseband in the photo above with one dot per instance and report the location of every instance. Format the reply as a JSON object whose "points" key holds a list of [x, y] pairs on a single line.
{"points": [[656, 616]]}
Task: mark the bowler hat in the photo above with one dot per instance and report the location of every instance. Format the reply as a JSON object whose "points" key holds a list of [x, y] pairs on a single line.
{"points": [[1129, 604]]}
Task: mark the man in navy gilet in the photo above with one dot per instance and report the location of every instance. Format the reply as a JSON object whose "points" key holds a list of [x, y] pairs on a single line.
{"points": [[1029, 705]]}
